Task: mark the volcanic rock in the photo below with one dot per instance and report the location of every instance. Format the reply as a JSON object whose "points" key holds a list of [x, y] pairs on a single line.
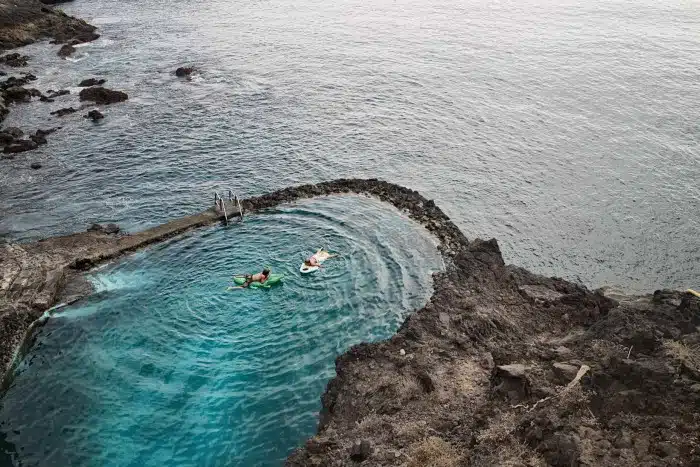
{"points": [[102, 96], [91, 82], [20, 145], [66, 50], [94, 115], [184, 71], [14, 60], [62, 112]]}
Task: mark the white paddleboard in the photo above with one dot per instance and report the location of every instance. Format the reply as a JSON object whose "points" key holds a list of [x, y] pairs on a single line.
{"points": [[304, 269], [321, 256]]}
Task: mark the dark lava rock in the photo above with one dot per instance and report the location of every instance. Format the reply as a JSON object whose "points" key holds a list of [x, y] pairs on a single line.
{"points": [[55, 94], [14, 60], [20, 145], [66, 50], [17, 94], [184, 71], [47, 132], [35, 165], [62, 112], [108, 229], [102, 95], [86, 36], [14, 131], [45, 99], [13, 81], [54, 2], [25, 21], [361, 451], [6, 138], [92, 82], [111, 229], [38, 139], [94, 115]]}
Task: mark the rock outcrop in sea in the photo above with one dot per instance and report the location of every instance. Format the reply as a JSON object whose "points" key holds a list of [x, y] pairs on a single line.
{"points": [[102, 96], [23, 22], [501, 367]]}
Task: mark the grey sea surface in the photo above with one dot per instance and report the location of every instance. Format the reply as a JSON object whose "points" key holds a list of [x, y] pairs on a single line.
{"points": [[568, 130]]}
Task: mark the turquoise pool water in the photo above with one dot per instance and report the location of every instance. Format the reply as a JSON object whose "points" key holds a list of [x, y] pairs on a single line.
{"points": [[163, 367]]}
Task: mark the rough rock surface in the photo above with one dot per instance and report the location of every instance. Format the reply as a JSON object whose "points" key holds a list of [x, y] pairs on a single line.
{"points": [[91, 82], [23, 22], [14, 60], [64, 112], [102, 96], [66, 50], [20, 145], [54, 94], [94, 115], [470, 378], [184, 71]]}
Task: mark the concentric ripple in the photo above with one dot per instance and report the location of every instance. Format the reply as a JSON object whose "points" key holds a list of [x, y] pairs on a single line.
{"points": [[162, 366]]}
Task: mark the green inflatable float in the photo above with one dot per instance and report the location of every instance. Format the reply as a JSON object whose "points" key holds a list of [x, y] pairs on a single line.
{"points": [[271, 280]]}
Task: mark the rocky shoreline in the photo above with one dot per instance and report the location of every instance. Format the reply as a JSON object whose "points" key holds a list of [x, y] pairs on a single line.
{"points": [[22, 23], [501, 367]]}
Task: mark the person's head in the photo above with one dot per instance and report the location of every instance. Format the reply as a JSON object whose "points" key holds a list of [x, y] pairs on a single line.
{"points": [[266, 272]]}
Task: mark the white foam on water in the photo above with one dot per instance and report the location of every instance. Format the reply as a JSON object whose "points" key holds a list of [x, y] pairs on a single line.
{"points": [[119, 280]]}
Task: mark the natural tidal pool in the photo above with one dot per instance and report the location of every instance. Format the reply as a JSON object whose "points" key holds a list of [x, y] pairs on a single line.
{"points": [[163, 366]]}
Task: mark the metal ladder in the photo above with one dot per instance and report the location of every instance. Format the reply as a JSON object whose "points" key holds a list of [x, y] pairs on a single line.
{"points": [[220, 204]]}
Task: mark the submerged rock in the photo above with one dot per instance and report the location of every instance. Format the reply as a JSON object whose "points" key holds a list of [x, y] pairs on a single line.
{"points": [[14, 131], [91, 82], [20, 145], [17, 94], [62, 112], [102, 96], [184, 71], [14, 60], [66, 50], [55, 94], [47, 132], [39, 139], [35, 165], [94, 115]]}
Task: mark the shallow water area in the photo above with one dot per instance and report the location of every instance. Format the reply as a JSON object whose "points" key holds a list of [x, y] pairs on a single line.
{"points": [[163, 366]]}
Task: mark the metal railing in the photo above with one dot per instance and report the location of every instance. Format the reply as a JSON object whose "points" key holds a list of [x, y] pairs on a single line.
{"points": [[220, 204]]}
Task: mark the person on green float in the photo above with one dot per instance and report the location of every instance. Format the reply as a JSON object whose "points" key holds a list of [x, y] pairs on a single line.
{"points": [[259, 277]]}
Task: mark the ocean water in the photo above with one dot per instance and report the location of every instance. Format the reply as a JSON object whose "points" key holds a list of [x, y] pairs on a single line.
{"points": [[163, 366], [566, 129]]}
